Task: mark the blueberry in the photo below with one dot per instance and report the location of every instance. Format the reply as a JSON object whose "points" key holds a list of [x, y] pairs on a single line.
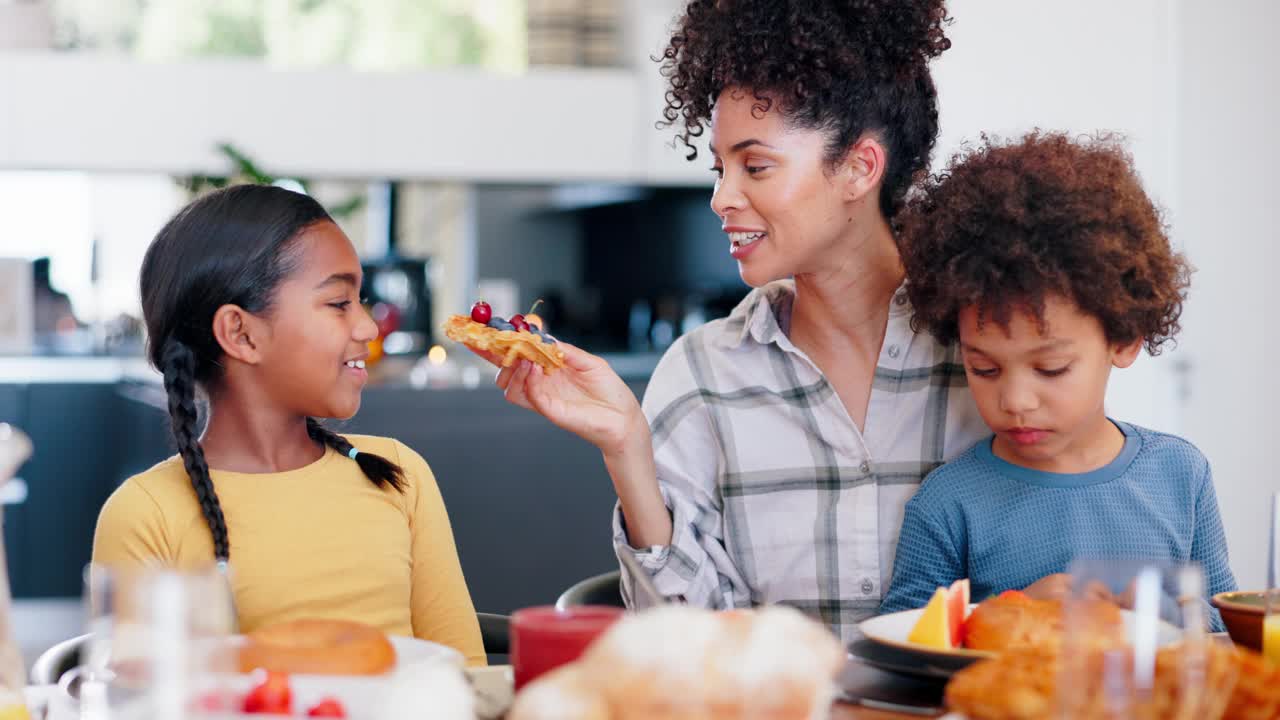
{"points": [[498, 323], [544, 337]]}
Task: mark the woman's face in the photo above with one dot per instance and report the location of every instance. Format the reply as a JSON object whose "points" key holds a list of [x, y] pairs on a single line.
{"points": [[782, 206]]}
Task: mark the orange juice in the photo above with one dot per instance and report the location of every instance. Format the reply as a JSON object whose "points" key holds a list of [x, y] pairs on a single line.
{"points": [[12, 705], [1271, 637]]}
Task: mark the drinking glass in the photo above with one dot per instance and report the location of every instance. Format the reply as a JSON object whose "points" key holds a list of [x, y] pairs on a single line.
{"points": [[544, 638], [159, 645], [1136, 644], [1271, 617], [15, 448]]}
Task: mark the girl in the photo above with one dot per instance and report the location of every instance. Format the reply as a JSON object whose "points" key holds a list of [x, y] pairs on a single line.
{"points": [[251, 294], [776, 448]]}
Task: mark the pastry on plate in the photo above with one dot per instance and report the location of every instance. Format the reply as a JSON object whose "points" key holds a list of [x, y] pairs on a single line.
{"points": [[684, 662], [1013, 620], [1205, 681], [318, 647]]}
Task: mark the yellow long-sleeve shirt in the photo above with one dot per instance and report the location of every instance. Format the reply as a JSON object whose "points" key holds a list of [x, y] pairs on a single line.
{"points": [[319, 541]]}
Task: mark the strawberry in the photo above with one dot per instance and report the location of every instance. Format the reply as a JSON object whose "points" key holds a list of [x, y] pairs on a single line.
{"points": [[328, 707], [272, 696]]}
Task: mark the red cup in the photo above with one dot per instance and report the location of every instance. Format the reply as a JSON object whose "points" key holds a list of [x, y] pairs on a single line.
{"points": [[544, 638]]}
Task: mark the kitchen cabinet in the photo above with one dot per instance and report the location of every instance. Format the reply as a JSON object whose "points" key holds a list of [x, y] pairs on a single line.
{"points": [[530, 504]]}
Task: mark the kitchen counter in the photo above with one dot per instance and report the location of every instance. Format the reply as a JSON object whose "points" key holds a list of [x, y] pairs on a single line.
{"points": [[25, 369], [529, 503]]}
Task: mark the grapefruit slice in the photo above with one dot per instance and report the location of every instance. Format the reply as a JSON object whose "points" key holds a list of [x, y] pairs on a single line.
{"points": [[933, 628], [957, 610]]}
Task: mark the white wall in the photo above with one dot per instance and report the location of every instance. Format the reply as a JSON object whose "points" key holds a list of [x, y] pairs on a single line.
{"points": [[1227, 215], [1084, 66], [1194, 87], [80, 111]]}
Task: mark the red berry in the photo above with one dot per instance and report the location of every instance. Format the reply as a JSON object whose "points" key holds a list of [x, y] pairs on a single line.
{"points": [[213, 702], [272, 696], [388, 318], [517, 321], [328, 707], [481, 312]]}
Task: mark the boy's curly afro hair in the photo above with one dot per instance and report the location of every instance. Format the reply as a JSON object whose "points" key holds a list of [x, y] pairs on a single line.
{"points": [[847, 67], [1009, 225]]}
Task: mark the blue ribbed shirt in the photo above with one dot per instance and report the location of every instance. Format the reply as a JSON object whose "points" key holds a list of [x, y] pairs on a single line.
{"points": [[1004, 526]]}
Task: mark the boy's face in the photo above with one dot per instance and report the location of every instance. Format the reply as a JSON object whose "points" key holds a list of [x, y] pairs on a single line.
{"points": [[1042, 393]]}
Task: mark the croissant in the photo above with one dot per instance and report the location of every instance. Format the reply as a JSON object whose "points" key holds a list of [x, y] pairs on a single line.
{"points": [[1229, 684], [682, 662], [1013, 621]]}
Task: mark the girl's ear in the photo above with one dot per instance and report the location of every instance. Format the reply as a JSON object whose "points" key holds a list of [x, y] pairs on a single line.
{"points": [[239, 333], [1122, 356]]}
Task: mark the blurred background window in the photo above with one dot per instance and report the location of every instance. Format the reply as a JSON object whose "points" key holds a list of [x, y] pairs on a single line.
{"points": [[365, 34]]}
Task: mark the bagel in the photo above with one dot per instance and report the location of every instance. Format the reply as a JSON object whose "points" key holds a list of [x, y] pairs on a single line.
{"points": [[318, 647]]}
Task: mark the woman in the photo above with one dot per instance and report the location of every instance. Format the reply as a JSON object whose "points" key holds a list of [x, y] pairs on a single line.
{"points": [[776, 448]]}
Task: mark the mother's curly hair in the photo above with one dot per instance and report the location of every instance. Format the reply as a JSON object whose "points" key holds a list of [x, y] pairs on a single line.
{"points": [[847, 67], [1009, 225]]}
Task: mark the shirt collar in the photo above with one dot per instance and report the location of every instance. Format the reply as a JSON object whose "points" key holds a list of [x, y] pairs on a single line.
{"points": [[765, 314], [757, 316]]}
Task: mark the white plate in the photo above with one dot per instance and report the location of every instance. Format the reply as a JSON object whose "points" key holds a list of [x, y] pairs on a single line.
{"points": [[892, 630], [422, 669], [361, 693], [410, 651]]}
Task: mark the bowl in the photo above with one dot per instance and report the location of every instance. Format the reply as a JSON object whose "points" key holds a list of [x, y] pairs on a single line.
{"points": [[1242, 613]]}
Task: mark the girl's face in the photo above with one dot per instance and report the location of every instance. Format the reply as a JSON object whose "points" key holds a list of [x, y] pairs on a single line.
{"points": [[318, 332], [782, 206]]}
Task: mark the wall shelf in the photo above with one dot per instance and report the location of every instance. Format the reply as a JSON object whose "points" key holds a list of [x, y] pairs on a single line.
{"points": [[73, 111]]}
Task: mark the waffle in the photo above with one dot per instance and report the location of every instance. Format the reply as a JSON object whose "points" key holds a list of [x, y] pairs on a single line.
{"points": [[510, 345]]}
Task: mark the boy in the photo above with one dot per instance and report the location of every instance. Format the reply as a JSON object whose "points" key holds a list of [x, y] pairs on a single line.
{"points": [[1049, 265]]}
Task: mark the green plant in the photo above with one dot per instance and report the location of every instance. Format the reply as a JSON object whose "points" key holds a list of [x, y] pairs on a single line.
{"points": [[245, 170]]}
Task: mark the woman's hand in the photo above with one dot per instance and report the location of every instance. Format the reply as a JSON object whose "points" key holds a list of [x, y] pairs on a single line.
{"points": [[585, 397]]}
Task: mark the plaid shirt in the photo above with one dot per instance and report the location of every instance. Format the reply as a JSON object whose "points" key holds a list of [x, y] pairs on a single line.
{"points": [[775, 495]]}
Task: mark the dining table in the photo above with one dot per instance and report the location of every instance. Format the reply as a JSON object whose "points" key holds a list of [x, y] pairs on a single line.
{"points": [[865, 692]]}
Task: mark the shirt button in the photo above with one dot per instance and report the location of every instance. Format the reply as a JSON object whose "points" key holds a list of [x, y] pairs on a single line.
{"points": [[865, 466], [893, 351], [867, 586]]}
